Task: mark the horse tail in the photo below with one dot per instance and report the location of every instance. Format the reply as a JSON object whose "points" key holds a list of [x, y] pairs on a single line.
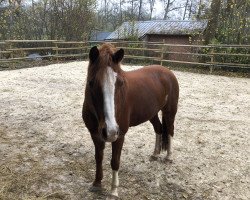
{"points": [[164, 134]]}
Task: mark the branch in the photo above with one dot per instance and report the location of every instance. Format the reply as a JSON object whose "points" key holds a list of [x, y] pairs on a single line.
{"points": [[176, 8]]}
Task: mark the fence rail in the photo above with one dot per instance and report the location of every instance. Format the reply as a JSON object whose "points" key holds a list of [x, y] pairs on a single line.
{"points": [[212, 56]]}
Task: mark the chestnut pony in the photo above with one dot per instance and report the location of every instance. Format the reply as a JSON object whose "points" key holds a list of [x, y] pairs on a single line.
{"points": [[115, 100]]}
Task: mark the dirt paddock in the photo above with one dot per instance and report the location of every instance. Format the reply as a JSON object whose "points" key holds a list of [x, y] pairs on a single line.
{"points": [[47, 153]]}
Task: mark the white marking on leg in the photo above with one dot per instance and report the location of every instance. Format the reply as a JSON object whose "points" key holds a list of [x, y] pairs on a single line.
{"points": [[115, 183], [169, 147], [109, 103], [157, 144]]}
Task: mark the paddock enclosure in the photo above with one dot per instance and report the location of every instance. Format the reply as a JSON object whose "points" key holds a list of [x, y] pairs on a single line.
{"points": [[46, 151]]}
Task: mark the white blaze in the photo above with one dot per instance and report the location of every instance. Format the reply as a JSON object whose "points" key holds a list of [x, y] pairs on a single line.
{"points": [[109, 99]]}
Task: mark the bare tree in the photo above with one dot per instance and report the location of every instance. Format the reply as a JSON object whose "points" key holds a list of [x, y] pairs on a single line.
{"points": [[151, 4], [120, 9], [140, 10], [190, 9], [169, 6], [132, 9], [105, 13], [185, 10]]}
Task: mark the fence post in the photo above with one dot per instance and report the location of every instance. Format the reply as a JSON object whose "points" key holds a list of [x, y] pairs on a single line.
{"points": [[162, 51], [56, 51], [143, 46], [10, 46], [211, 67]]}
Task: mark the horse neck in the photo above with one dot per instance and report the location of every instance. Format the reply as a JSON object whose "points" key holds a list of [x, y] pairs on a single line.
{"points": [[121, 95]]}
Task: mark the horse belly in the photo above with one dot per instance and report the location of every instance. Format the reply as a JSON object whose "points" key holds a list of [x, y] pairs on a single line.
{"points": [[147, 94], [142, 113]]}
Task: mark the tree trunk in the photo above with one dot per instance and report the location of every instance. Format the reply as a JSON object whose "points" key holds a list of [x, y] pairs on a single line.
{"points": [[166, 10], [140, 11], [105, 13], [185, 11], [190, 10], [198, 16], [120, 11], [243, 23], [151, 3], [213, 21]]}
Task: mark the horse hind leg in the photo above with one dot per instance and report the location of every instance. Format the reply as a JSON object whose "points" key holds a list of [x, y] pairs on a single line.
{"points": [[158, 133], [168, 118]]}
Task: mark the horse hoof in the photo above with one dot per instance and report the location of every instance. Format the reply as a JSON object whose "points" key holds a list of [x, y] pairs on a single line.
{"points": [[153, 158], [95, 188], [112, 197], [168, 160]]}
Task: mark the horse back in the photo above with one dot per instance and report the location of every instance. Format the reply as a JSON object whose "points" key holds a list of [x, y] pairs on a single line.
{"points": [[149, 88]]}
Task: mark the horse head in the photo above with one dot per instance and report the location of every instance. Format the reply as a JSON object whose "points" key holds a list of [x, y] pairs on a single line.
{"points": [[103, 81]]}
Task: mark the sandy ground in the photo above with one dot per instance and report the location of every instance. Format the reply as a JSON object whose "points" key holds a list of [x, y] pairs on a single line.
{"points": [[47, 153]]}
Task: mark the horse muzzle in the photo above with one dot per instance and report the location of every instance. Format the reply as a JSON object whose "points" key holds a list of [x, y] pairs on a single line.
{"points": [[110, 134]]}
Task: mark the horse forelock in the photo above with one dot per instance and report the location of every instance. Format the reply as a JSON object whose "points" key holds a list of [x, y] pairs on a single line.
{"points": [[107, 48], [97, 69]]}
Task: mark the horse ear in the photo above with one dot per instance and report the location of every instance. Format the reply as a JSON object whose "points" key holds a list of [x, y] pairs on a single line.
{"points": [[118, 56], [93, 54]]}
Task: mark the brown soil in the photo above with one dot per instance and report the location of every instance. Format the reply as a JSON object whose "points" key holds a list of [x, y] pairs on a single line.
{"points": [[47, 153]]}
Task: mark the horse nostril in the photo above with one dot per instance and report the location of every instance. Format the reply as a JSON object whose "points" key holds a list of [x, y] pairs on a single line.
{"points": [[104, 133]]}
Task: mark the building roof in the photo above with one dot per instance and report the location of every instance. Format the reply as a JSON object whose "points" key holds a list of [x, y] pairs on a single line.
{"points": [[99, 36], [142, 28]]}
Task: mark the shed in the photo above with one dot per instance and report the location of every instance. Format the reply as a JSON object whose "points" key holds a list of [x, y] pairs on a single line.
{"points": [[158, 30], [167, 31]]}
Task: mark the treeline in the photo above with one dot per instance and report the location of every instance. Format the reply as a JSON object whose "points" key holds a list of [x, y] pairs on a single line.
{"points": [[228, 20], [46, 19]]}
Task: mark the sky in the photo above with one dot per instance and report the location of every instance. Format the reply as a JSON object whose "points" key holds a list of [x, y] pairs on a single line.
{"points": [[158, 8]]}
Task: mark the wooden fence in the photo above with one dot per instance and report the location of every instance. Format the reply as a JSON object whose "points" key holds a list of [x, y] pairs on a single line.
{"points": [[210, 56]]}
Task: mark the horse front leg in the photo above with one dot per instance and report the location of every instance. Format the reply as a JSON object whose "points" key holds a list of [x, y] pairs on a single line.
{"points": [[99, 148], [115, 164]]}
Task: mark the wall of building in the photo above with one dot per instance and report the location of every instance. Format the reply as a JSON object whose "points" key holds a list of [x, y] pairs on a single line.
{"points": [[177, 39]]}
